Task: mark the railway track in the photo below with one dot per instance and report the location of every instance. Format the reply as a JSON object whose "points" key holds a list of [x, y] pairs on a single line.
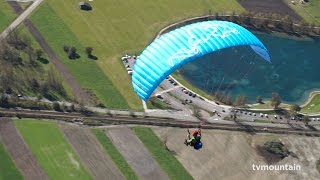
{"points": [[104, 119]]}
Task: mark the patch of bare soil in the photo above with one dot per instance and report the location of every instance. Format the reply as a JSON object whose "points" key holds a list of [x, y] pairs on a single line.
{"points": [[91, 153], [19, 151], [270, 6], [230, 155], [137, 156]]}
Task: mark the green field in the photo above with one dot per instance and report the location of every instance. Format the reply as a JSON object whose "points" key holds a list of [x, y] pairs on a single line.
{"points": [[183, 81], [309, 12], [166, 160], [112, 29], [313, 106], [8, 169], [6, 15], [51, 150], [86, 71], [114, 154]]}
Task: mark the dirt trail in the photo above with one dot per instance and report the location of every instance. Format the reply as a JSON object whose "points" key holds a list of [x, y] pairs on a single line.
{"points": [[19, 151], [137, 156], [77, 91], [91, 153]]}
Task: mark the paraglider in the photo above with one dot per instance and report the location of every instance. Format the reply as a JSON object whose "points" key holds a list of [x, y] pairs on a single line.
{"points": [[194, 140], [178, 47]]}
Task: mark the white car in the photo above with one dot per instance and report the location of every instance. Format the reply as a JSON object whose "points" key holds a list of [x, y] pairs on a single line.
{"points": [[266, 115]]}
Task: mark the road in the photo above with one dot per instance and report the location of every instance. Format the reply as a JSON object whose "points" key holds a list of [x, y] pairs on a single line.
{"points": [[20, 19]]}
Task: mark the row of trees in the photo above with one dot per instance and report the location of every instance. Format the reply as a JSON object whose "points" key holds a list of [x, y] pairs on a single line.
{"points": [[271, 21], [72, 52]]}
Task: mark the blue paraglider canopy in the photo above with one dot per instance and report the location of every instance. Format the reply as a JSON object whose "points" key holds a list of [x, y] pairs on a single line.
{"points": [[178, 47]]}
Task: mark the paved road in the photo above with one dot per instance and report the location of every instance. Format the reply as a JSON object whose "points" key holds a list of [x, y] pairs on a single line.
{"points": [[20, 19]]}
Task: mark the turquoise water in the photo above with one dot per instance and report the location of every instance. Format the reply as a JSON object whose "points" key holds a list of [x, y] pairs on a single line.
{"points": [[294, 72]]}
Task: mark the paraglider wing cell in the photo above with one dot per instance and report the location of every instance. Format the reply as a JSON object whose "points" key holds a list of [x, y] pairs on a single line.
{"points": [[178, 47]]}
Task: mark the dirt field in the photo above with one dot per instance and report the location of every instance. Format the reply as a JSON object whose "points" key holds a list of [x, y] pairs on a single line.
{"points": [[270, 6], [230, 155], [19, 151], [91, 153], [136, 154]]}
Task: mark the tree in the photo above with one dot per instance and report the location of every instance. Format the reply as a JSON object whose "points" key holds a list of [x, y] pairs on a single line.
{"points": [[275, 100], [89, 51], [39, 53], [196, 112], [228, 100], [241, 101], [306, 119], [259, 99], [72, 53], [295, 107], [57, 107]]}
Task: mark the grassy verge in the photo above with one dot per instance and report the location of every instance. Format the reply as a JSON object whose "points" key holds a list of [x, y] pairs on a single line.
{"points": [[51, 150], [8, 169], [114, 154], [6, 15], [309, 11], [166, 160], [179, 78], [313, 106], [262, 121], [155, 103], [85, 70]]}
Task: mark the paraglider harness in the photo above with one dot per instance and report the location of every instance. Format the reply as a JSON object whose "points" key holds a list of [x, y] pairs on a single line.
{"points": [[194, 140]]}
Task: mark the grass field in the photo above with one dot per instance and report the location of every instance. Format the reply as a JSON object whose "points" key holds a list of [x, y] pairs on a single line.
{"points": [[313, 106], [6, 15], [267, 105], [112, 29], [309, 12], [179, 78], [8, 169], [114, 154], [51, 150], [166, 160], [86, 71]]}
